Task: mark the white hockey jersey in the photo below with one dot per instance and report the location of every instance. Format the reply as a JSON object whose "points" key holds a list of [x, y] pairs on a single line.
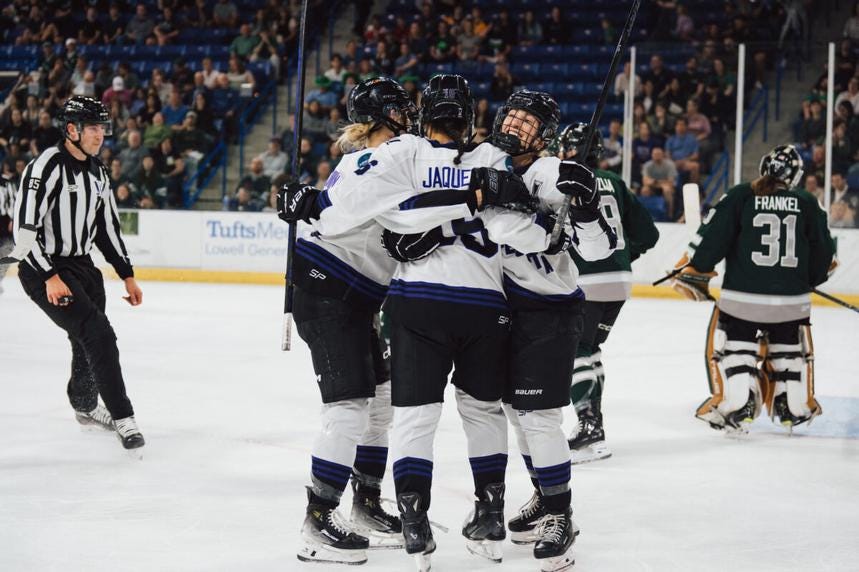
{"points": [[351, 265], [538, 279]]}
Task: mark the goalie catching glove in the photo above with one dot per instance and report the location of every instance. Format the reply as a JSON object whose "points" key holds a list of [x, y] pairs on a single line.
{"points": [[296, 202], [690, 282]]}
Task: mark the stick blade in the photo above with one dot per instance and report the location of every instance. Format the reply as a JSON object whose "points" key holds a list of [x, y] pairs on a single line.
{"points": [[692, 206]]}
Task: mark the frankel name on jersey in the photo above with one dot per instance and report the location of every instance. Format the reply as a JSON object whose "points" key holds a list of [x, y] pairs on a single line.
{"points": [[777, 203], [446, 178]]}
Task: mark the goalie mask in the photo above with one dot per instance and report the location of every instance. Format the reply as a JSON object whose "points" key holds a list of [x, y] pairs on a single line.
{"points": [[380, 100], [447, 96], [783, 164], [515, 132], [572, 138]]}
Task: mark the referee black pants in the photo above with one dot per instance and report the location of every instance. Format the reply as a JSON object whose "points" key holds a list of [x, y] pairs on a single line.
{"points": [[95, 356]]}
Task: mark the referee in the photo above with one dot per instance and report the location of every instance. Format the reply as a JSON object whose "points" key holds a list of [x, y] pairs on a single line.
{"points": [[63, 206], [7, 201]]}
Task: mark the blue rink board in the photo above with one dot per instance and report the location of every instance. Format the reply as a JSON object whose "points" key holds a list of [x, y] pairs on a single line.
{"points": [[840, 420]]}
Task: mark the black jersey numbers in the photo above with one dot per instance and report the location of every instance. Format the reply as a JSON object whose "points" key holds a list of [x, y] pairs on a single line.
{"points": [[472, 236]]}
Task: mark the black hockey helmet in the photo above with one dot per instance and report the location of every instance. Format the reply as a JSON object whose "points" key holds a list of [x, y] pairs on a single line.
{"points": [[447, 96], [375, 100], [573, 136], [539, 104], [783, 164], [81, 110]]}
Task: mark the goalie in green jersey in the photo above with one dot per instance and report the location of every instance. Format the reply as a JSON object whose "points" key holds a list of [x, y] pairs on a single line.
{"points": [[777, 247]]}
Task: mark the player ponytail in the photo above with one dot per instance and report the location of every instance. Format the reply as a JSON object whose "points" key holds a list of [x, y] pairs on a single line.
{"points": [[454, 129], [766, 185], [354, 137]]}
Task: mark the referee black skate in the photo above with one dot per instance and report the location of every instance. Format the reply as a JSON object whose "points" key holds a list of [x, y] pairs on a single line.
{"points": [[64, 206]]}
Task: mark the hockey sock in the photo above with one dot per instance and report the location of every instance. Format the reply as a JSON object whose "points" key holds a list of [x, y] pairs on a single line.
{"points": [[487, 470], [486, 432], [413, 475], [531, 472], [599, 372], [412, 449], [549, 455], [333, 452], [584, 382], [554, 485], [370, 465]]}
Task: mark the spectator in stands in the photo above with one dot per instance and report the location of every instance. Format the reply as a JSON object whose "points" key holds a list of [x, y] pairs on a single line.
{"points": [[323, 95], [174, 112], [182, 77], [418, 43], [112, 28], [841, 215], [556, 30], [45, 134], [307, 165], [210, 74], [243, 200], [167, 30], [659, 75], [86, 86], [685, 27], [443, 44], [813, 187], [682, 148], [81, 66], [717, 108], [116, 176], [140, 26], [151, 107], [699, 126], [851, 26], [483, 120], [243, 45], [132, 156], [124, 199], [336, 73], [612, 157], [675, 98], [161, 86], [503, 82], [406, 60], [503, 35], [205, 117], [323, 171], [191, 141], [365, 69], [121, 135], [315, 122], [266, 49], [171, 164], [621, 82], [335, 153], [842, 192], [467, 43], [661, 123], [129, 78], [642, 149], [273, 160], [149, 181], [72, 54], [239, 77], [817, 165], [842, 151], [659, 178], [691, 79], [530, 29], [851, 94], [335, 122], [813, 127], [16, 131], [383, 61], [256, 179], [117, 92], [58, 76], [225, 14], [156, 132], [726, 78]]}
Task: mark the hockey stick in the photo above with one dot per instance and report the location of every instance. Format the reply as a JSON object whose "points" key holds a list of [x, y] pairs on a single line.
{"points": [[286, 334], [595, 119], [838, 301]]}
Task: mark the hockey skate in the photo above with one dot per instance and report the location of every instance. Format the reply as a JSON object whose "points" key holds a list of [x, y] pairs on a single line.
{"points": [[416, 530], [785, 417], [557, 533], [369, 518], [737, 423], [484, 529], [98, 418], [325, 538], [129, 435], [523, 527], [588, 443]]}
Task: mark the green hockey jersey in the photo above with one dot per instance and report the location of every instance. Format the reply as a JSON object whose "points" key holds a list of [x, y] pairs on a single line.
{"points": [[776, 249], [610, 279]]}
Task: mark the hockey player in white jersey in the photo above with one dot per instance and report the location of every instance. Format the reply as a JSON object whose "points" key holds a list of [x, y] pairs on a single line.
{"points": [[546, 305], [340, 282], [412, 185]]}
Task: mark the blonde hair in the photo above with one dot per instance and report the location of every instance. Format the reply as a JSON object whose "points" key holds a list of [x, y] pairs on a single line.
{"points": [[354, 137]]}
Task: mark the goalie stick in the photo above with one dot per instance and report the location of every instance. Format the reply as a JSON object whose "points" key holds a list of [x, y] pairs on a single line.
{"points": [[286, 334], [595, 119]]}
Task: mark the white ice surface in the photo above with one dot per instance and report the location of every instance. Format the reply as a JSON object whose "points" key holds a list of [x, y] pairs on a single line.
{"points": [[229, 419]]}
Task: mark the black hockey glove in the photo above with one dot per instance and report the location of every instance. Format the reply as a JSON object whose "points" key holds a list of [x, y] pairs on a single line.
{"points": [[579, 183], [297, 202], [411, 247], [501, 189]]}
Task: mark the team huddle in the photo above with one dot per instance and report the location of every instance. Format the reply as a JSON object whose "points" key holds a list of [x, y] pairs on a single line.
{"points": [[453, 241]]}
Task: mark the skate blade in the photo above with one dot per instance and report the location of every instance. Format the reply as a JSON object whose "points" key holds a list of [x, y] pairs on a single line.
{"points": [[327, 555], [94, 428], [558, 563], [135, 454], [740, 433], [378, 540], [591, 453], [488, 549], [423, 562], [524, 538]]}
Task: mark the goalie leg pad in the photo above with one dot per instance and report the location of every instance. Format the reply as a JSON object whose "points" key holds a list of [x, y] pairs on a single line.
{"points": [[792, 371]]}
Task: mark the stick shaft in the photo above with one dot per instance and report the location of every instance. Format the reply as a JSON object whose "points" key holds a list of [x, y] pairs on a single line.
{"points": [[595, 119], [286, 334], [838, 301]]}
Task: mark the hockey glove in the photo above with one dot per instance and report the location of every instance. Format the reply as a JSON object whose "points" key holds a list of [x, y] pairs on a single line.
{"points": [[547, 221], [411, 247], [297, 202], [579, 183], [501, 189], [690, 282]]}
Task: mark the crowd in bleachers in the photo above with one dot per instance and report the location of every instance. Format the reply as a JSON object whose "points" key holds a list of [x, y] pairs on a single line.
{"points": [[175, 76], [810, 131], [684, 95]]}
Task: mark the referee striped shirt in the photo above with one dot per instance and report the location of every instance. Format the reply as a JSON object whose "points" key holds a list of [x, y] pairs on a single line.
{"points": [[72, 207]]}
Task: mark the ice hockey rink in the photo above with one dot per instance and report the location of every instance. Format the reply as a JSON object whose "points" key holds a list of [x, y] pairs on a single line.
{"points": [[229, 420]]}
